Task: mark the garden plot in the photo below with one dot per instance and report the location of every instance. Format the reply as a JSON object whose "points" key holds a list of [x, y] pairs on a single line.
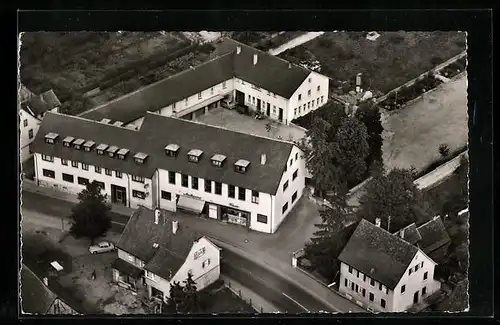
{"points": [[391, 60]]}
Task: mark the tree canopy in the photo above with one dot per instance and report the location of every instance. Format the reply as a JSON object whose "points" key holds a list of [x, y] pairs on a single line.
{"points": [[369, 114], [183, 299], [395, 199], [90, 217]]}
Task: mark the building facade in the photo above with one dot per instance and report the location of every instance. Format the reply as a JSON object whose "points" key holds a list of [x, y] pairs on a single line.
{"points": [[251, 181]]}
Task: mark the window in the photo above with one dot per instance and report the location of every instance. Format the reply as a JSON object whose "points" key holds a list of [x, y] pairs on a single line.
{"points": [[138, 194], [350, 269], [357, 274], [30, 133], [382, 303], [173, 106], [300, 106], [97, 169], [255, 196], [47, 158], [108, 172], [184, 180], [318, 88], [380, 286], [118, 174], [150, 275], [372, 296], [296, 155], [416, 267], [422, 264], [199, 95], [309, 80], [85, 166], [284, 208], [253, 99], [357, 288], [74, 164], [308, 105], [317, 101], [261, 218], [100, 184], [166, 195], [68, 178], [208, 186], [424, 291], [295, 111], [171, 178], [372, 282], [322, 99], [294, 176], [346, 283], [64, 162], [242, 193], [285, 186], [25, 122], [218, 188], [249, 98], [205, 263], [425, 275], [231, 191], [409, 271], [363, 292], [49, 173], [224, 85], [364, 277], [300, 96], [291, 162], [138, 179], [212, 91], [194, 183], [274, 109], [403, 288], [83, 181], [294, 197], [312, 103], [352, 286], [309, 92]]}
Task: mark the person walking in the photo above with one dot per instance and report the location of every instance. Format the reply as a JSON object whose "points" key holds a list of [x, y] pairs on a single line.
{"points": [[94, 275]]}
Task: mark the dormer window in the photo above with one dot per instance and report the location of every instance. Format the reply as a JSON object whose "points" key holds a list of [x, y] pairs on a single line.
{"points": [[172, 150], [100, 148], [194, 155], [111, 151], [88, 145], [78, 143], [218, 160], [140, 157], [122, 153], [51, 137], [241, 166], [67, 141]]}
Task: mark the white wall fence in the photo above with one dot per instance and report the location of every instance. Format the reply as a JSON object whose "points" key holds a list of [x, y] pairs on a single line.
{"points": [[439, 173]]}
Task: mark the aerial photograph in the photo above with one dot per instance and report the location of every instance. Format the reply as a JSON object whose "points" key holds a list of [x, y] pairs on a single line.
{"points": [[243, 172]]}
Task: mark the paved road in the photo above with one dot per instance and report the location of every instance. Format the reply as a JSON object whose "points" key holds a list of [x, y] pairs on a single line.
{"points": [[295, 42], [284, 294]]}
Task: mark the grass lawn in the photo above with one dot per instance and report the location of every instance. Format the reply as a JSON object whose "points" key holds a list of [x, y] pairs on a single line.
{"points": [[221, 300], [386, 63]]}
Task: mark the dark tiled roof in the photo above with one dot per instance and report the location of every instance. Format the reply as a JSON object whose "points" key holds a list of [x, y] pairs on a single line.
{"points": [[378, 253], [158, 131], [51, 99], [270, 73], [433, 235], [141, 234], [126, 268], [24, 93], [410, 234], [42, 103], [165, 92], [36, 297]]}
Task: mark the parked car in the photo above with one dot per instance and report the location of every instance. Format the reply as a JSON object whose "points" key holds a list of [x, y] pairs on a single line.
{"points": [[102, 247]]}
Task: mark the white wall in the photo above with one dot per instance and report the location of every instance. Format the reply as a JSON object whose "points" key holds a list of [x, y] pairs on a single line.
{"points": [[415, 282], [293, 185], [316, 80], [24, 140], [131, 259], [263, 207], [91, 175]]}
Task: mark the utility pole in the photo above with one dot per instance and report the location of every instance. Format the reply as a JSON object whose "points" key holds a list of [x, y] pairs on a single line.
{"points": [[388, 223]]}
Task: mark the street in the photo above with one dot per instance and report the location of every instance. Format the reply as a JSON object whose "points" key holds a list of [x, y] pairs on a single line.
{"points": [[285, 295]]}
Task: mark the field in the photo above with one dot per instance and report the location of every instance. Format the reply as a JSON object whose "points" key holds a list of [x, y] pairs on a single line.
{"points": [[86, 68], [391, 60]]}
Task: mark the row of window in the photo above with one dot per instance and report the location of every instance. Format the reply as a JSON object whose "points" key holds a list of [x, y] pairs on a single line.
{"points": [[200, 94], [416, 268], [256, 88], [373, 283], [294, 176], [356, 288], [285, 206], [263, 104], [308, 106]]}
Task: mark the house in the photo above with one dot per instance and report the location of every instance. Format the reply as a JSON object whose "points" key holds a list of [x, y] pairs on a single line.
{"points": [[31, 111], [237, 73], [431, 237], [37, 298], [174, 164], [382, 272], [155, 250]]}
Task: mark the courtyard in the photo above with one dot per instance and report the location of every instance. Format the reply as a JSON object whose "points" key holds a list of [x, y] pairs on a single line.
{"points": [[412, 135]]}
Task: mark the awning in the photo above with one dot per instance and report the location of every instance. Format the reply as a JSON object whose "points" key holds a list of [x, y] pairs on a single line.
{"points": [[190, 204], [126, 268]]}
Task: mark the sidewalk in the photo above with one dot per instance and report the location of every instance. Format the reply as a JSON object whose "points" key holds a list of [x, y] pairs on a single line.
{"points": [[258, 303]]}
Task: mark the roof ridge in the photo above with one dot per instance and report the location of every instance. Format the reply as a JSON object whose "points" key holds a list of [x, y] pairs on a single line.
{"points": [[386, 232], [434, 219], [122, 127]]}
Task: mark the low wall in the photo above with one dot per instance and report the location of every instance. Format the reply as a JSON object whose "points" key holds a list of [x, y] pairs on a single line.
{"points": [[439, 173]]}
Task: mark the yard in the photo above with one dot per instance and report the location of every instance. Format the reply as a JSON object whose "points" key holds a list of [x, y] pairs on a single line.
{"points": [[386, 63], [218, 299]]}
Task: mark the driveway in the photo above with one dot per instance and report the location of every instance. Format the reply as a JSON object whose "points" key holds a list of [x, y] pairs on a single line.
{"points": [[413, 134]]}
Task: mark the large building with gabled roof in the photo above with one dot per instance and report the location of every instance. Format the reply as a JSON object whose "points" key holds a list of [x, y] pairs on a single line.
{"points": [[236, 73], [173, 163]]}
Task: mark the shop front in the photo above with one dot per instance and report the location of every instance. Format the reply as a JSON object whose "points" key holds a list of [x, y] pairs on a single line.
{"points": [[235, 216]]}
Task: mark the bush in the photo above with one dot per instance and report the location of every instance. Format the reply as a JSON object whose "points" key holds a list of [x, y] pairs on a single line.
{"points": [[436, 60], [444, 150]]}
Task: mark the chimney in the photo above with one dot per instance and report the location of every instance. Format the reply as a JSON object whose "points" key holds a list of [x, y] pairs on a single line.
{"points": [[377, 222], [238, 49], [263, 159], [402, 233], [254, 59], [157, 216], [175, 226], [46, 281], [289, 65]]}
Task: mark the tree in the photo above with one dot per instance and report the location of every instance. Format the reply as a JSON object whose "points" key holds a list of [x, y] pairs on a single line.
{"points": [[351, 150], [176, 299], [90, 217], [444, 150], [369, 114], [183, 298], [394, 199]]}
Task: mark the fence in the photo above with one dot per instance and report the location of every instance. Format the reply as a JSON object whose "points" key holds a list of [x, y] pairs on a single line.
{"points": [[239, 294]]}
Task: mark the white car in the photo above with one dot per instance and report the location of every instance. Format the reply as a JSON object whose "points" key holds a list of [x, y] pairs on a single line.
{"points": [[102, 247]]}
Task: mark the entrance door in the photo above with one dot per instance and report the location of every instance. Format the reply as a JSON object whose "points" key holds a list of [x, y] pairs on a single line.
{"points": [[240, 97], [280, 116], [212, 211], [258, 105], [268, 111], [415, 298], [118, 195]]}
